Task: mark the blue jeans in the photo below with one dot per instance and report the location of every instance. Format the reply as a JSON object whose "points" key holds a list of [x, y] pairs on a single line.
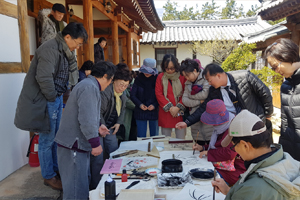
{"points": [[47, 146], [109, 144], [142, 127], [74, 170]]}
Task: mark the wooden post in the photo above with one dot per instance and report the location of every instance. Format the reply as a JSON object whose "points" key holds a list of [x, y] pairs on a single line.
{"points": [[295, 35], [115, 42], [129, 51], [23, 34], [88, 25]]}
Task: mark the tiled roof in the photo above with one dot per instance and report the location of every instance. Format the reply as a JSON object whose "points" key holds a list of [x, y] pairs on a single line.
{"points": [[278, 9], [263, 35], [270, 4], [203, 30]]}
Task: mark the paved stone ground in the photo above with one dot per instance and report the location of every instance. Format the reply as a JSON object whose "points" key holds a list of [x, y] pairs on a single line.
{"points": [[27, 182]]}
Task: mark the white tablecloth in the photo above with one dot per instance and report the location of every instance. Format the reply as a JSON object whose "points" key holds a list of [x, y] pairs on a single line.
{"points": [[189, 162]]}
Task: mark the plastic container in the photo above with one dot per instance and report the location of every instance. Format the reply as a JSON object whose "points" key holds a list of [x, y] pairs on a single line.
{"points": [[110, 189], [124, 176]]}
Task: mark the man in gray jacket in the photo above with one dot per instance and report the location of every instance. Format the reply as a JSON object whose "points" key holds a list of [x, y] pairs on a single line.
{"points": [[40, 103], [78, 134]]}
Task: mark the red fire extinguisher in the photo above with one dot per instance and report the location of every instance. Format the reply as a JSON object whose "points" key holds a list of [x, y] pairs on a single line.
{"points": [[33, 151]]}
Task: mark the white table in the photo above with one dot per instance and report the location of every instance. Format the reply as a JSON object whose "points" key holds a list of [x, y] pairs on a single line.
{"points": [[188, 163]]}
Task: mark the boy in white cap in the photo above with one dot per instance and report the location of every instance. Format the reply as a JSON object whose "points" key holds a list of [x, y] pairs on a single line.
{"points": [[271, 174]]}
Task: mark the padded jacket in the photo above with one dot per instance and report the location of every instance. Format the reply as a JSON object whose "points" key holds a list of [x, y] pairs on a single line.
{"points": [[252, 94], [290, 115], [274, 178], [38, 88]]}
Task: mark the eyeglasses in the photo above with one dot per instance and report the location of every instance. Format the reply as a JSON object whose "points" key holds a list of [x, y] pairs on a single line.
{"points": [[232, 148], [274, 68], [122, 85], [170, 69], [78, 44]]}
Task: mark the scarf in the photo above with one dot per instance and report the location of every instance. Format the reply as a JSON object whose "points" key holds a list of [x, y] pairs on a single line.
{"points": [[196, 89], [118, 101], [59, 25], [73, 69], [176, 85], [219, 130]]}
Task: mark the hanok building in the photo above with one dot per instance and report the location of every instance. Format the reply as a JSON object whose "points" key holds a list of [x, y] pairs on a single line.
{"points": [[178, 36], [275, 10], [278, 9], [121, 22]]}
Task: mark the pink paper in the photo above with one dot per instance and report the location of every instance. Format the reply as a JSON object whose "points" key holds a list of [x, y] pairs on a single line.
{"points": [[111, 166]]}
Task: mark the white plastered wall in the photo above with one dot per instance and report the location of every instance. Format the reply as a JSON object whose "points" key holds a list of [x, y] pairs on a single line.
{"points": [[14, 142], [182, 52]]}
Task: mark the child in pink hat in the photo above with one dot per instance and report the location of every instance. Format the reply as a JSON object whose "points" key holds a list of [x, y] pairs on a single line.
{"points": [[226, 161]]}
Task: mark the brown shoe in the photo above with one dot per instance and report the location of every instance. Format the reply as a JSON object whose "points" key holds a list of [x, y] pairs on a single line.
{"points": [[54, 183]]}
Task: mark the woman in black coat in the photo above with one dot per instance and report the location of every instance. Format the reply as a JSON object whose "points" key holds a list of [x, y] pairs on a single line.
{"points": [[283, 57], [143, 96]]}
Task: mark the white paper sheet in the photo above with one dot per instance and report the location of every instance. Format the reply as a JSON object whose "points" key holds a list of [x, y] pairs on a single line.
{"points": [[141, 145], [189, 191], [138, 162], [122, 185]]}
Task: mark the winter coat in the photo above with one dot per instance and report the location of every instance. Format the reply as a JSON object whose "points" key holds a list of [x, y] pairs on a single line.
{"points": [[108, 105], [193, 102], [98, 53], [38, 88], [143, 92], [274, 178], [252, 94], [224, 154], [128, 114], [165, 119], [81, 117], [82, 75], [290, 115], [48, 26]]}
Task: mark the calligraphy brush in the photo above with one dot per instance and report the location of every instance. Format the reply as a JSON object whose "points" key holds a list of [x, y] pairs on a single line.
{"points": [[215, 172], [196, 142]]}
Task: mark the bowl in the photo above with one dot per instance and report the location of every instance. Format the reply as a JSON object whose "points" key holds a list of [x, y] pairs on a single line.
{"points": [[153, 171], [201, 173]]}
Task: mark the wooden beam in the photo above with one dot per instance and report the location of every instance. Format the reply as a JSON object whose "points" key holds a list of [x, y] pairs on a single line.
{"points": [[123, 26], [8, 9], [88, 25], [10, 67], [78, 19], [23, 34], [74, 2], [129, 51], [101, 8], [115, 42], [102, 23]]}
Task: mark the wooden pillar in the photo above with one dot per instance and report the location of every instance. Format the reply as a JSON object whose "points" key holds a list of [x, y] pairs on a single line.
{"points": [[295, 35], [129, 51], [88, 25], [23, 34], [115, 42]]}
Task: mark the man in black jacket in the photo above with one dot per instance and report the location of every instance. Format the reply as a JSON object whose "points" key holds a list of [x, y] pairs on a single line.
{"points": [[239, 90], [98, 50]]}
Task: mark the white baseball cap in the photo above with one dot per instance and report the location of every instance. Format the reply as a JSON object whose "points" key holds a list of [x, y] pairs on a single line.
{"points": [[242, 125]]}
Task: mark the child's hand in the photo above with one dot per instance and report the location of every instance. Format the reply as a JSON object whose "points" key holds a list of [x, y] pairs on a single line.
{"points": [[203, 153]]}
